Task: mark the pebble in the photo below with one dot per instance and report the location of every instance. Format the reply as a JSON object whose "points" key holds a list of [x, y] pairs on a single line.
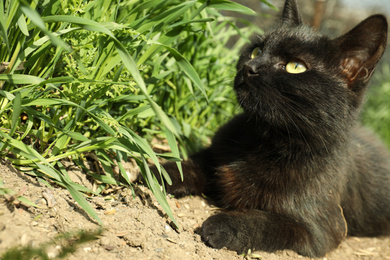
{"points": [[87, 249]]}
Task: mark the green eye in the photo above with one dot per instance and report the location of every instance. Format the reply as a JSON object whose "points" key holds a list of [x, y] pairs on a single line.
{"points": [[295, 67], [256, 52]]}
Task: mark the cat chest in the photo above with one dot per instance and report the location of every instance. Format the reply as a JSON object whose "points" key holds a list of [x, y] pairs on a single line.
{"points": [[247, 188]]}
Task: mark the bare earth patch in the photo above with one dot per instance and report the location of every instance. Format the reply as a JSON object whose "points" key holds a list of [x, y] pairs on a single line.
{"points": [[135, 228]]}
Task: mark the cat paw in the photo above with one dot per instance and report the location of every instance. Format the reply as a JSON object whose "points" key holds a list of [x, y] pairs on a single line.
{"points": [[223, 230]]}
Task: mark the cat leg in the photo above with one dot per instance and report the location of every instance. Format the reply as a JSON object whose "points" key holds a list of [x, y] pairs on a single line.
{"points": [[195, 175], [260, 230]]}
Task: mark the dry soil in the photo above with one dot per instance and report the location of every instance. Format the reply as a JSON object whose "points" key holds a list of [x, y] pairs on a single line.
{"points": [[135, 228]]}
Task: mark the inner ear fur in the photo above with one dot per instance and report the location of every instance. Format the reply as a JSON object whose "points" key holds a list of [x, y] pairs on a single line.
{"points": [[361, 49]]}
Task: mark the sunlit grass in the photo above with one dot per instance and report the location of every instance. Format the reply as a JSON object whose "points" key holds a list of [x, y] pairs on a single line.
{"points": [[376, 112], [105, 77], [66, 244]]}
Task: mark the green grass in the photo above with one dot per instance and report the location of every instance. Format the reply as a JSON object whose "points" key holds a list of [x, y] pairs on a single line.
{"points": [[376, 112], [67, 242], [106, 77]]}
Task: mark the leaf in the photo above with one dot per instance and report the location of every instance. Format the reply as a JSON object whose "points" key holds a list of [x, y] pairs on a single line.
{"points": [[27, 201], [17, 109], [3, 28], [128, 98], [136, 111], [38, 43], [144, 6], [228, 6], [20, 79], [166, 17], [76, 136], [121, 157], [79, 198], [185, 22], [29, 151], [71, 187], [270, 5], [37, 114], [140, 142], [164, 118], [166, 39], [102, 124], [28, 128], [105, 179], [50, 172], [37, 20], [130, 64], [166, 176], [83, 22], [47, 102], [186, 66], [22, 25], [51, 102], [90, 145], [175, 150], [7, 95], [156, 189]]}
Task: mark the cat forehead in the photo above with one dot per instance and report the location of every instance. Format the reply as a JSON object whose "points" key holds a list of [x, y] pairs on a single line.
{"points": [[299, 40], [293, 35]]}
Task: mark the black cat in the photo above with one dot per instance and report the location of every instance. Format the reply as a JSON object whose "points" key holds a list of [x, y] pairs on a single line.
{"points": [[296, 170]]}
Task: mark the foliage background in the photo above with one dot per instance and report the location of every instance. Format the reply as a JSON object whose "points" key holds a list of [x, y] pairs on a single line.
{"points": [[97, 81]]}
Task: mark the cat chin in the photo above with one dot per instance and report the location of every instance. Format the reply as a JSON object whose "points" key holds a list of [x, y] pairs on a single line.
{"points": [[260, 108], [274, 118]]}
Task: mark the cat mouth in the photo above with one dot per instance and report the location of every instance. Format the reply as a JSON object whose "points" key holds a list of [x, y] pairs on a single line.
{"points": [[239, 79], [243, 80]]}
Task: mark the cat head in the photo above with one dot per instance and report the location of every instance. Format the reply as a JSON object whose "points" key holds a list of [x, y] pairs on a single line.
{"points": [[296, 78]]}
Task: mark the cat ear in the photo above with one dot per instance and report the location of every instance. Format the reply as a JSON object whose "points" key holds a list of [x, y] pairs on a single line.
{"points": [[290, 14], [361, 49]]}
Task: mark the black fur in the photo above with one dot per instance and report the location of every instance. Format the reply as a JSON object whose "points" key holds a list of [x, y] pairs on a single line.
{"points": [[296, 170]]}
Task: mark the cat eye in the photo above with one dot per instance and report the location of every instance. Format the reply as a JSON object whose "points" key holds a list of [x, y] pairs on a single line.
{"points": [[295, 67], [256, 52]]}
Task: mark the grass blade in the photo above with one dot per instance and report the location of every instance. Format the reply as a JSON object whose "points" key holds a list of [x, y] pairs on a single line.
{"points": [[156, 189], [3, 28], [21, 79], [27, 201], [37, 20], [83, 22], [79, 198], [130, 64], [17, 109], [186, 66], [175, 150], [32, 154], [7, 95], [228, 6], [22, 25]]}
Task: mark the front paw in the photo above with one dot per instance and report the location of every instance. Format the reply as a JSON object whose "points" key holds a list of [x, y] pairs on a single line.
{"points": [[226, 230]]}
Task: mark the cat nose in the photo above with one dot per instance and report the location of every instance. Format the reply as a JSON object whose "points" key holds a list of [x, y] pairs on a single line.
{"points": [[250, 70], [253, 67]]}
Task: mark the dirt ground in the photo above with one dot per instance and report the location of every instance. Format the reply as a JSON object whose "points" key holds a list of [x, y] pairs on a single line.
{"points": [[136, 228]]}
